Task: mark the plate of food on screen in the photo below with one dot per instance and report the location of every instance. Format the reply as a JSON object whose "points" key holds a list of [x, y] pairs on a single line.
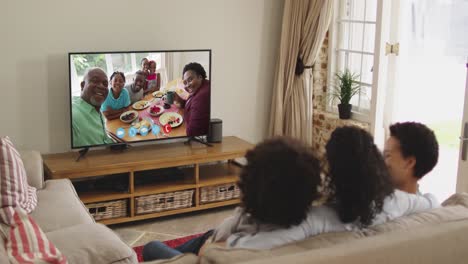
{"points": [[155, 110], [129, 116], [158, 94], [143, 125], [140, 105], [171, 118]]}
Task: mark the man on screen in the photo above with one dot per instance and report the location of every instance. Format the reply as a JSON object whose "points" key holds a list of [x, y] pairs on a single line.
{"points": [[87, 122], [135, 89]]}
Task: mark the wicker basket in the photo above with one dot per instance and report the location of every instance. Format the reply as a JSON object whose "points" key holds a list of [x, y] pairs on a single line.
{"points": [[216, 193], [163, 202], [107, 210]]}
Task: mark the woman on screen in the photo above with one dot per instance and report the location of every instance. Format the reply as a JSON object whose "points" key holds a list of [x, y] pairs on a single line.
{"points": [[197, 106], [117, 99]]}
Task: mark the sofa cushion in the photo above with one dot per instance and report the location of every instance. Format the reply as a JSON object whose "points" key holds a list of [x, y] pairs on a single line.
{"points": [[27, 243], [216, 254], [457, 199], [59, 206], [444, 243], [14, 188], [34, 167], [92, 243]]}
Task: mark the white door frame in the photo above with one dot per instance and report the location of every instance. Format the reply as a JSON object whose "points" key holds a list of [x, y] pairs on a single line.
{"points": [[379, 86], [462, 177]]}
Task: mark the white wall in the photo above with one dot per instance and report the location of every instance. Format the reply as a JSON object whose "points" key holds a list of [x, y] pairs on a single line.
{"points": [[180, 59], [35, 37]]}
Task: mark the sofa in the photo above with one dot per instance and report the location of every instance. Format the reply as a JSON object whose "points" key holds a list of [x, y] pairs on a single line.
{"points": [[67, 223], [436, 236]]}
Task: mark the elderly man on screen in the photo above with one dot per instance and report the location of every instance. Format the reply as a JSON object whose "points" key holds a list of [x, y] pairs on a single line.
{"points": [[87, 123]]}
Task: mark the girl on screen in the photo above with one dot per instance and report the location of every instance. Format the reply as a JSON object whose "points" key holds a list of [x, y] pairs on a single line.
{"points": [[117, 99], [153, 78]]}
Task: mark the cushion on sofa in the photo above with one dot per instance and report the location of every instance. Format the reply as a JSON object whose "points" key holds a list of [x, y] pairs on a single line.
{"points": [[14, 188], [25, 242], [457, 199], [59, 206], [443, 243], [216, 254], [34, 167], [92, 243]]}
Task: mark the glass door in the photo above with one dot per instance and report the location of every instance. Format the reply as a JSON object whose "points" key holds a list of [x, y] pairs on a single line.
{"points": [[426, 78]]}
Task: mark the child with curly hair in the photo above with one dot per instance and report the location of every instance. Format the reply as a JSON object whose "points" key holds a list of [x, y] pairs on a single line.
{"points": [[361, 191], [278, 185]]}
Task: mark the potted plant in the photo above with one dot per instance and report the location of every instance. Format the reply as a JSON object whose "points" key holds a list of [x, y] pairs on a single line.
{"points": [[345, 88]]}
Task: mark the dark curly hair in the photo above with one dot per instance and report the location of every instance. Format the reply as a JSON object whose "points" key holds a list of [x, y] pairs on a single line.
{"points": [[196, 67], [419, 141], [117, 73], [358, 177], [280, 181]]}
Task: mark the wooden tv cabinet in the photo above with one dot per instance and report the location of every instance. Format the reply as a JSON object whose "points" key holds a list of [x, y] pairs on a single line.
{"points": [[202, 166]]}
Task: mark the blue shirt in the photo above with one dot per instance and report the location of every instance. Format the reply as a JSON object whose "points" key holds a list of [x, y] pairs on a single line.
{"points": [[115, 104]]}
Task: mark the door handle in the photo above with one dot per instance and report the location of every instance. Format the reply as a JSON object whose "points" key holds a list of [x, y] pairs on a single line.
{"points": [[464, 140]]}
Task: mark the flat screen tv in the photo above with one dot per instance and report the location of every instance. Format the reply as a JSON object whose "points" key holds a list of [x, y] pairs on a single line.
{"points": [[128, 97]]}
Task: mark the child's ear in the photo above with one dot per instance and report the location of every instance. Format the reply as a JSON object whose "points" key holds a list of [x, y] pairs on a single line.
{"points": [[82, 85], [411, 162]]}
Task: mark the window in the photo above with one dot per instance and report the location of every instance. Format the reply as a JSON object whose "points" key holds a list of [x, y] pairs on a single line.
{"points": [[128, 63], [352, 46]]}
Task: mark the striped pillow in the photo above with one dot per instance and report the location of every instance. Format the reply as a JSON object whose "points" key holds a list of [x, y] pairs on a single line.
{"points": [[25, 242], [14, 188]]}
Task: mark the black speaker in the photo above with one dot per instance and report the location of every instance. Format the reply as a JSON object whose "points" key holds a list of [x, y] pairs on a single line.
{"points": [[215, 132]]}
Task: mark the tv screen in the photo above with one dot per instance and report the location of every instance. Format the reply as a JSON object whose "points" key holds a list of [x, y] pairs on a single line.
{"points": [[128, 97]]}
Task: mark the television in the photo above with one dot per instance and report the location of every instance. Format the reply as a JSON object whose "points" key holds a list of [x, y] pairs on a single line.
{"points": [[124, 97]]}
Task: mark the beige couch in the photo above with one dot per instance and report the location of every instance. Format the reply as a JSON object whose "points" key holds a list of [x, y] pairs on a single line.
{"points": [[436, 236], [66, 221]]}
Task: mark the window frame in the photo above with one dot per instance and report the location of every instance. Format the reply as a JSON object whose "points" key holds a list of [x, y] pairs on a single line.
{"points": [[135, 65], [363, 115]]}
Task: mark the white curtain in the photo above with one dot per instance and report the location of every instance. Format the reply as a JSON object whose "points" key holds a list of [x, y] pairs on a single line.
{"points": [[305, 24]]}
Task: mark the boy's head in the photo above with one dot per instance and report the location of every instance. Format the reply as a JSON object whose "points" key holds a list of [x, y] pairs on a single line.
{"points": [[139, 80], [410, 152], [280, 181]]}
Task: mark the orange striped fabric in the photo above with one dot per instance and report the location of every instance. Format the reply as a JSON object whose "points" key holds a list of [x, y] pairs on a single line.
{"points": [[14, 188], [25, 241]]}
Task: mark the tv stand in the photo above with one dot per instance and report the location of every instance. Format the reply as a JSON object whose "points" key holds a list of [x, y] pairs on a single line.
{"points": [[119, 184], [119, 147], [199, 140], [82, 153]]}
